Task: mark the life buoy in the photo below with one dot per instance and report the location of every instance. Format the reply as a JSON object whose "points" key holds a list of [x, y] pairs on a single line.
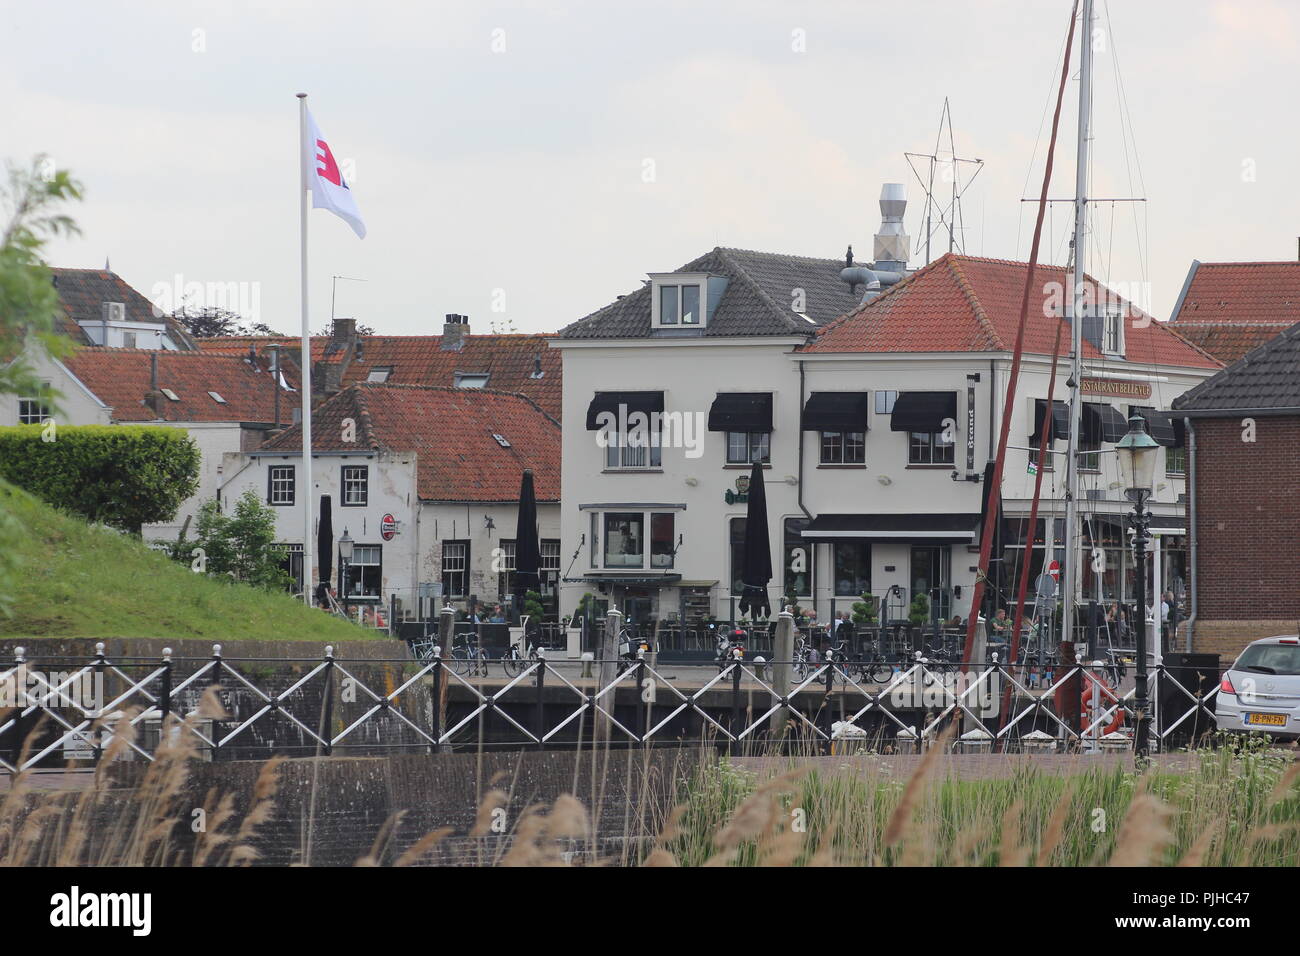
{"points": [[1108, 698]]}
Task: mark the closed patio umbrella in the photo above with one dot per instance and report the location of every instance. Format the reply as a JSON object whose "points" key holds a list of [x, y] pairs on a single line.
{"points": [[528, 555], [324, 550], [756, 570]]}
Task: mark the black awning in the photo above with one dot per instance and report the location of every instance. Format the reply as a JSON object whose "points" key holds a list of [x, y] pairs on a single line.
{"points": [[1180, 431], [923, 411], [835, 412], [1102, 422], [1159, 425], [1060, 421], [920, 528], [612, 401], [741, 412]]}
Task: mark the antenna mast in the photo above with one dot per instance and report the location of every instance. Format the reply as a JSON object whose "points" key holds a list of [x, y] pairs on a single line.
{"points": [[1078, 271], [949, 162]]}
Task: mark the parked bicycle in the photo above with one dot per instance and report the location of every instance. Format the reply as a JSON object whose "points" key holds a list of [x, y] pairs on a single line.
{"points": [[629, 649], [515, 660], [468, 659]]}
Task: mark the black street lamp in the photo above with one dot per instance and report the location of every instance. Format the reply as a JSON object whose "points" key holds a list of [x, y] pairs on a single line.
{"points": [[345, 561], [1137, 465]]}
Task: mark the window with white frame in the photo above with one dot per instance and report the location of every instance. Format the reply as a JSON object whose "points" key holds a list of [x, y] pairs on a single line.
{"points": [[34, 409], [885, 399], [356, 485], [844, 448], [619, 541], [280, 481], [364, 573], [549, 571], [929, 448], [678, 301], [745, 448], [505, 562], [455, 569], [1176, 461], [638, 448]]}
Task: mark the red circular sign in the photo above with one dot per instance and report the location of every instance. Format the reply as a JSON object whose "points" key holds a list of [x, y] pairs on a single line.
{"points": [[387, 527], [1054, 569]]}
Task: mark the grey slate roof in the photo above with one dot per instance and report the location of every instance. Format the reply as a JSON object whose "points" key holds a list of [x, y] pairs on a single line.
{"points": [[1266, 379], [758, 301]]}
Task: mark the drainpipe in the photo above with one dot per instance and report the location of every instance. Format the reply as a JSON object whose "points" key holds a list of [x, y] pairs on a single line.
{"points": [[1190, 433], [993, 404], [806, 512]]}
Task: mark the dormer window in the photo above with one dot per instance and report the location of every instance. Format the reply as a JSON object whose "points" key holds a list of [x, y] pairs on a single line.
{"points": [[682, 300]]}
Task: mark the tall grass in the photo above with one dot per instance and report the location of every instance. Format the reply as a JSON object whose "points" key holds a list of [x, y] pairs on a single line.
{"points": [[1232, 806]]}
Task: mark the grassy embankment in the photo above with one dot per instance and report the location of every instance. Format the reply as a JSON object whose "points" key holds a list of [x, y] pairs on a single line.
{"points": [[71, 579]]}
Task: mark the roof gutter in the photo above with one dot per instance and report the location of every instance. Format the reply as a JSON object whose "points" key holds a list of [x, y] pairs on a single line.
{"points": [[802, 507], [1235, 412]]}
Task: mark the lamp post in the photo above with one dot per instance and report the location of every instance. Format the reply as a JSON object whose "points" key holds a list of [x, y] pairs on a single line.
{"points": [[345, 561], [1137, 464]]}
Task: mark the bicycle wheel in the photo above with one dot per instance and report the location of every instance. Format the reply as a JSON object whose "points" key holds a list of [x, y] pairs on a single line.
{"points": [[458, 661], [880, 672], [799, 672], [512, 664]]}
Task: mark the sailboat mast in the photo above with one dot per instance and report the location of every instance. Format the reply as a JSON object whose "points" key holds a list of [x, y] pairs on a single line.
{"points": [[1077, 308]]}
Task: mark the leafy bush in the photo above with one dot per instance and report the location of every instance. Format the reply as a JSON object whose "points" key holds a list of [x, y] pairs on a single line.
{"points": [[919, 612], [125, 476], [241, 545], [864, 611]]}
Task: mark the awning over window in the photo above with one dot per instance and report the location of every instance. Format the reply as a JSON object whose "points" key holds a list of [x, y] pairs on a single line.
{"points": [[923, 411], [1180, 431], [921, 528], [1102, 422], [1060, 422], [612, 401], [741, 412], [1159, 425], [835, 412]]}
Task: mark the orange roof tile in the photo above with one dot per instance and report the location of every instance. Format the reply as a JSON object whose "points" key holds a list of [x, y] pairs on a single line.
{"points": [[451, 431], [121, 379], [968, 304]]}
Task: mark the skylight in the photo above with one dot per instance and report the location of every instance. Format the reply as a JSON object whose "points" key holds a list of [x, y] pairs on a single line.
{"points": [[170, 394], [471, 379], [216, 397], [501, 440], [379, 373]]}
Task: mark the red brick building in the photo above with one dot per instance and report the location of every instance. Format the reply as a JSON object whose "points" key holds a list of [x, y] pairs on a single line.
{"points": [[1244, 446]]}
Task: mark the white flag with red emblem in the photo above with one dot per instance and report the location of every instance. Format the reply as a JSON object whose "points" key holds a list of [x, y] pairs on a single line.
{"points": [[329, 190]]}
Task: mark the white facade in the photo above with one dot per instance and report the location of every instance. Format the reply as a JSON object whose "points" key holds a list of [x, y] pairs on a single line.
{"points": [[693, 489], [79, 406], [413, 556]]}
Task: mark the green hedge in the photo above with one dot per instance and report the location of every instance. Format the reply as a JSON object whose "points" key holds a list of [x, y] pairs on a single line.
{"points": [[121, 475]]}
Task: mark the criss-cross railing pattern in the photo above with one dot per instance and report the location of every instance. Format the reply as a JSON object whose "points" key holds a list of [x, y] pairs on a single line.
{"points": [[376, 706]]}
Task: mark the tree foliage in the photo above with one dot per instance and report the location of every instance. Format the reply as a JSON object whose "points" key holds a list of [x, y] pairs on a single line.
{"points": [[125, 476], [214, 322], [240, 545], [31, 200]]}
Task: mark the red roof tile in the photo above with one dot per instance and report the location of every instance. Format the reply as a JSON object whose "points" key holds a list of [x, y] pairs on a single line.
{"points": [[121, 379], [510, 361], [967, 304], [1229, 308], [451, 431]]}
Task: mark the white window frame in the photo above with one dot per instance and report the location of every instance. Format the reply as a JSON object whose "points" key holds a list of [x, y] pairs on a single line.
{"points": [[276, 486], [661, 281], [346, 483]]}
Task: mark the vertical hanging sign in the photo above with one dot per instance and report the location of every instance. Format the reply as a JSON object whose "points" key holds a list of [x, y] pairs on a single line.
{"points": [[970, 422]]}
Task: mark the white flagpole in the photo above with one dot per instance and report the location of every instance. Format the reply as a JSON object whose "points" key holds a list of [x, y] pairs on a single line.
{"points": [[305, 383]]}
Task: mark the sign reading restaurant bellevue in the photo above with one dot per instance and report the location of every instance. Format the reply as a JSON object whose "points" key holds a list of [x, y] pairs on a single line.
{"points": [[1117, 388]]}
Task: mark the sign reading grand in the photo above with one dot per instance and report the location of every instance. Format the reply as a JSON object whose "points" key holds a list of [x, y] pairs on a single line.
{"points": [[1117, 388]]}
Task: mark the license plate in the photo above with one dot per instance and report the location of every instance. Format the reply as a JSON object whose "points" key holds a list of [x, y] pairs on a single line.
{"points": [[1267, 720]]}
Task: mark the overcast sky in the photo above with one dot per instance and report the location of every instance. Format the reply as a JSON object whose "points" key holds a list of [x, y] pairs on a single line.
{"points": [[539, 158]]}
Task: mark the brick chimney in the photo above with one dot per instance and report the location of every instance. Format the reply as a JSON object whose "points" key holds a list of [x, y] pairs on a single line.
{"points": [[344, 331], [455, 330]]}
